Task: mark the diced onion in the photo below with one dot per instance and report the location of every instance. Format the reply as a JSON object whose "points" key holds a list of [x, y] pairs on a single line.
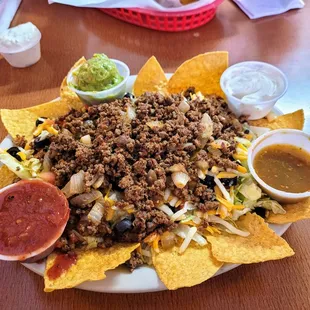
{"points": [[207, 123], [180, 179], [131, 112], [165, 209], [184, 106], [86, 140], [173, 201], [178, 214], [177, 168], [167, 240], [98, 182], [201, 175], [188, 239], [231, 228], [167, 194], [189, 205], [47, 163], [96, 213], [202, 164], [75, 185], [222, 189], [155, 124], [86, 198]]}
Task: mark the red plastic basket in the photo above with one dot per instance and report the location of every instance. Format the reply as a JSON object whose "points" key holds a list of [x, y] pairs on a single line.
{"points": [[163, 21]]}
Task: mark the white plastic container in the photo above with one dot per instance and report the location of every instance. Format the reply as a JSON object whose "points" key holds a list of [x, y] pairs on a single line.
{"points": [[20, 45], [280, 136], [251, 75], [96, 97]]}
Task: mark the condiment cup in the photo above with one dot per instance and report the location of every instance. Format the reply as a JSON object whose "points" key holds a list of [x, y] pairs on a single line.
{"points": [[96, 97], [26, 55], [293, 137], [34, 256], [254, 110]]}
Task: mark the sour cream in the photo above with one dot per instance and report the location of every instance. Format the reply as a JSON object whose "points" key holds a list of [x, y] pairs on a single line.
{"points": [[252, 88], [19, 38], [254, 83]]}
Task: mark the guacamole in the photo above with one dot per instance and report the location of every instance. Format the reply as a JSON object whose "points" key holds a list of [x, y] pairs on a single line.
{"points": [[97, 74]]}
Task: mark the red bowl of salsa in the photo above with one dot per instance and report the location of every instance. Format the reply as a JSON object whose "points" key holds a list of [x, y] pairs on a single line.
{"points": [[33, 215]]}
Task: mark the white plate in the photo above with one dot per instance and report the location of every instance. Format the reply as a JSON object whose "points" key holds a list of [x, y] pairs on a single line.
{"points": [[142, 279]]}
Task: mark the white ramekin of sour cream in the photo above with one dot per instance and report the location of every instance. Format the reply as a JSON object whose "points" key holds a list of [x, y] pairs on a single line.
{"points": [[20, 45], [252, 88]]}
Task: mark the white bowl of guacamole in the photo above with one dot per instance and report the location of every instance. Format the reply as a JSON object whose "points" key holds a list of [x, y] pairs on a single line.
{"points": [[99, 79]]}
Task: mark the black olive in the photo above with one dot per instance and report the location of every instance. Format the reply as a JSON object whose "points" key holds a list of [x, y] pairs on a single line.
{"points": [[209, 181], [260, 211], [247, 131], [129, 95], [123, 225], [229, 181], [13, 152], [40, 121], [40, 144]]}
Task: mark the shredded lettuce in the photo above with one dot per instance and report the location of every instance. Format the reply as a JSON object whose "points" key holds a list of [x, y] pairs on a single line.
{"points": [[250, 190], [15, 166], [271, 205]]}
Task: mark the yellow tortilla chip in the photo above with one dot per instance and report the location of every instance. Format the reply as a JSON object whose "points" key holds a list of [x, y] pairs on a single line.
{"points": [[151, 78], [193, 267], [19, 122], [294, 212], [22, 122], [90, 266], [261, 245], [6, 176], [67, 94], [202, 72], [293, 120]]}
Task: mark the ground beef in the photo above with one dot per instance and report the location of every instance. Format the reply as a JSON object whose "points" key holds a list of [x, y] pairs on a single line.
{"points": [[133, 157], [134, 261]]}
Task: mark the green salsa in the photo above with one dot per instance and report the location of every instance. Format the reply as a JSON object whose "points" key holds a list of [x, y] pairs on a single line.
{"points": [[97, 74]]}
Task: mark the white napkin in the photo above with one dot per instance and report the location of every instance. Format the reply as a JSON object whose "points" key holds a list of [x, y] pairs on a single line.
{"points": [[159, 5], [8, 9], [260, 8]]}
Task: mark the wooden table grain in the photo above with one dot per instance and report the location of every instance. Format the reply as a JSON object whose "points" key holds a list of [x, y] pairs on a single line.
{"points": [[67, 34]]}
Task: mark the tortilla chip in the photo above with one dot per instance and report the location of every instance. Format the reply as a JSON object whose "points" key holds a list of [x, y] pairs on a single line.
{"points": [[6, 176], [293, 120], [22, 122], [67, 94], [202, 72], [151, 78], [261, 245], [193, 267], [294, 212], [19, 122], [90, 266]]}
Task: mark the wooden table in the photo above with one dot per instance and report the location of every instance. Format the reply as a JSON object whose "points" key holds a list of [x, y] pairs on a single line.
{"points": [[67, 34]]}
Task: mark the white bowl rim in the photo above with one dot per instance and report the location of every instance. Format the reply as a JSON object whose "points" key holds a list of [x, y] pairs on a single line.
{"points": [[38, 251], [282, 194], [266, 64], [102, 92]]}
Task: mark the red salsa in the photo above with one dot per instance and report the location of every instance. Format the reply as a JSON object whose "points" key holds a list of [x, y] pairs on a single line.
{"points": [[61, 264], [32, 216]]}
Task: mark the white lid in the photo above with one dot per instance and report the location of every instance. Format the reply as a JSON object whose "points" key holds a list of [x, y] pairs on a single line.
{"points": [[19, 38]]}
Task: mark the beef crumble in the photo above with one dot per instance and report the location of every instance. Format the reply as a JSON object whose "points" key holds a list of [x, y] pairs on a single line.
{"points": [[134, 157]]}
